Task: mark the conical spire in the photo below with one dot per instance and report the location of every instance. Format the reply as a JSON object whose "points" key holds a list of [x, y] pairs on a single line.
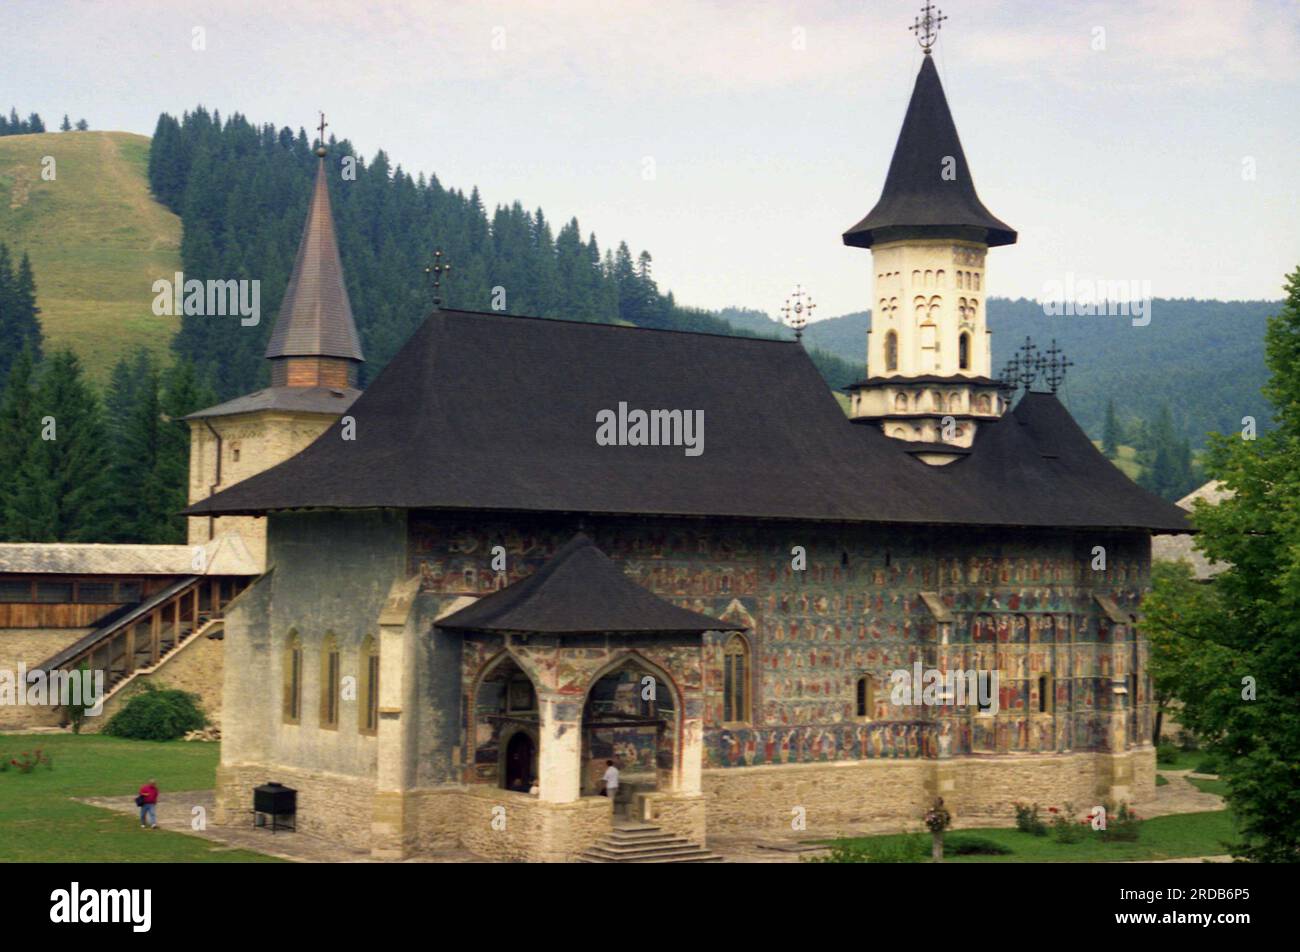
{"points": [[929, 192], [316, 316]]}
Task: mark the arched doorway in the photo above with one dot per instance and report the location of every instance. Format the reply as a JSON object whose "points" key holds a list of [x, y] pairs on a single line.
{"points": [[520, 762]]}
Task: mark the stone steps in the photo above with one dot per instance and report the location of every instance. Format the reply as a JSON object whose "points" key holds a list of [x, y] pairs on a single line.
{"points": [[642, 843]]}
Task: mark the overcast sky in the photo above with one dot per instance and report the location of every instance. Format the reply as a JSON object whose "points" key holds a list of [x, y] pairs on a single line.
{"points": [[1149, 141]]}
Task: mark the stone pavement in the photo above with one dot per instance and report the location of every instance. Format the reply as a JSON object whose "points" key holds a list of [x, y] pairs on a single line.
{"points": [[175, 813]]}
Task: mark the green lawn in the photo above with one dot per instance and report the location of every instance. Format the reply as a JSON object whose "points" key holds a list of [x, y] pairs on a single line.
{"points": [[1186, 760], [1166, 837], [39, 821], [1217, 787]]}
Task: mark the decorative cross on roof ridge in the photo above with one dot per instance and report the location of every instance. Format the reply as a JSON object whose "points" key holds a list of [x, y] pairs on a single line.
{"points": [[435, 270], [926, 27], [1055, 365]]}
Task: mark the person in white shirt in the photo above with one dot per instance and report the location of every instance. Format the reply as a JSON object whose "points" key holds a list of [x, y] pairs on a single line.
{"points": [[611, 780]]}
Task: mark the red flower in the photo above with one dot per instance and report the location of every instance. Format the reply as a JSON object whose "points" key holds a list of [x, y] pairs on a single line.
{"points": [[1053, 810]]}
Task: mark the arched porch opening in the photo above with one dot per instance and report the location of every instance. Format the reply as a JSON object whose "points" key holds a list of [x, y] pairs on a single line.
{"points": [[632, 716], [505, 726]]}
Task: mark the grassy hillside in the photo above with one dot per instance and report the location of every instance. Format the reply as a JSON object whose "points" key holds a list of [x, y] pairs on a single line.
{"points": [[97, 241]]}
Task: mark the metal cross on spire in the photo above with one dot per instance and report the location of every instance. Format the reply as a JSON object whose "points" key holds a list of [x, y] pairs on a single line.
{"points": [[435, 270], [926, 27], [320, 148], [798, 314]]}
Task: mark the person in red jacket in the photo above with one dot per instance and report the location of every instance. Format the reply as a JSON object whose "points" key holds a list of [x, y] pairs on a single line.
{"points": [[148, 803]]}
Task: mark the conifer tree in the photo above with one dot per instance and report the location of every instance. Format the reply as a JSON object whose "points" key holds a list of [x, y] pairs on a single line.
{"points": [[18, 423], [62, 482], [66, 124], [1110, 434]]}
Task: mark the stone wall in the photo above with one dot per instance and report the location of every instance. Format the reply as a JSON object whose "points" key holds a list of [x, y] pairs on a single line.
{"points": [[331, 806], [31, 646], [843, 797], [685, 815], [827, 798], [515, 827]]}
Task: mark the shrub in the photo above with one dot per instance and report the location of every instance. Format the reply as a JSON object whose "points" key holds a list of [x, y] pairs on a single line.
{"points": [[961, 844], [1122, 825], [76, 713], [157, 714], [29, 760], [1167, 754], [1028, 821], [1064, 827], [1208, 764]]}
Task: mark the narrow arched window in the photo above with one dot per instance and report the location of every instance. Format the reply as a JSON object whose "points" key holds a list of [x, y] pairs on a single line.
{"points": [[368, 709], [866, 697], [293, 679], [891, 351], [735, 680], [1045, 691], [963, 352], [329, 683]]}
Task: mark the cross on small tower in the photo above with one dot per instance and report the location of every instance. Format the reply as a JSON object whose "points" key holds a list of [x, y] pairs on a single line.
{"points": [[926, 27], [798, 314], [320, 148], [435, 270]]}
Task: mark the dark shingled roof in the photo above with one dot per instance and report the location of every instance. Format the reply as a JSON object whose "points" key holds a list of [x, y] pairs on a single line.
{"points": [[494, 412], [918, 201], [316, 316], [580, 589], [296, 399]]}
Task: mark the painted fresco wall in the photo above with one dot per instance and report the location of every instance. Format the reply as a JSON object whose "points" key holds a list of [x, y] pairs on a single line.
{"points": [[1022, 602]]}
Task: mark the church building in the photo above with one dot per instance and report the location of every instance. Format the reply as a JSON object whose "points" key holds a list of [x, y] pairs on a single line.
{"points": [[471, 591]]}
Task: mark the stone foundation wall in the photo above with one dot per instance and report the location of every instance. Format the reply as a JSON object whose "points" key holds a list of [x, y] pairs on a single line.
{"points": [[533, 830], [684, 815], [31, 646], [840, 797], [832, 797], [330, 806]]}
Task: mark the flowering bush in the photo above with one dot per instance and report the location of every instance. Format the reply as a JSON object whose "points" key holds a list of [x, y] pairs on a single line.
{"points": [[29, 760], [937, 818], [1066, 829]]}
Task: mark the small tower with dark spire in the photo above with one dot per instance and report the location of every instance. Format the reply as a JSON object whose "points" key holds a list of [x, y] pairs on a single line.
{"points": [[929, 357], [314, 352], [314, 342]]}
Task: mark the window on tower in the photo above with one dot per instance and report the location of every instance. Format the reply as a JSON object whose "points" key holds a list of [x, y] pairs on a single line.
{"points": [[891, 351], [963, 352]]}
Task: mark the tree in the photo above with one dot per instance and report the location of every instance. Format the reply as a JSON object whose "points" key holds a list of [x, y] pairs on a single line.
{"points": [[18, 423], [1246, 704], [82, 125], [62, 482], [66, 124], [1110, 435]]}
